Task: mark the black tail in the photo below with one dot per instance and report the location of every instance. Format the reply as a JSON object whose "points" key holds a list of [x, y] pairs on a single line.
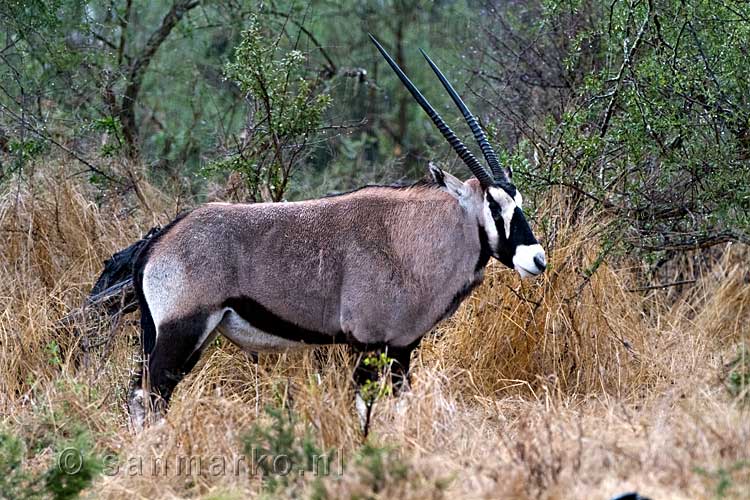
{"points": [[113, 289], [111, 297]]}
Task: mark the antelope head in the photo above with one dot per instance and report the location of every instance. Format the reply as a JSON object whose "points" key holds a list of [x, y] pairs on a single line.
{"points": [[507, 231]]}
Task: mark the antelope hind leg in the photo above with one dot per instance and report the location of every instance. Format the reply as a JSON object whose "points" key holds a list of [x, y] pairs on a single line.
{"points": [[179, 345]]}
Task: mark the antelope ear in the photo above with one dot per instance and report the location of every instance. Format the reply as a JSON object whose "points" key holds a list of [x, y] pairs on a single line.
{"points": [[436, 174], [447, 181]]}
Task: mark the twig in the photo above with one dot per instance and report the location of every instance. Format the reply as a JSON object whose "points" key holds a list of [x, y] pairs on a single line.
{"points": [[618, 79], [348, 126], [31, 128], [521, 297], [660, 286], [700, 242], [331, 65]]}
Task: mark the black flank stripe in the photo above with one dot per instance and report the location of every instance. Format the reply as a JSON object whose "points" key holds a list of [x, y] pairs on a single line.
{"points": [[263, 319]]}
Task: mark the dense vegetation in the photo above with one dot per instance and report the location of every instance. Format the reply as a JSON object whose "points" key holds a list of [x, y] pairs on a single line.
{"points": [[626, 122], [639, 106]]}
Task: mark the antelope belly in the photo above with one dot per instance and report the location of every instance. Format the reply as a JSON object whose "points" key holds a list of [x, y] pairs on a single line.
{"points": [[249, 338]]}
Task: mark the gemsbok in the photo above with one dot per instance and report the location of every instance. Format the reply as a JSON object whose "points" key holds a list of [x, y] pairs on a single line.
{"points": [[375, 268]]}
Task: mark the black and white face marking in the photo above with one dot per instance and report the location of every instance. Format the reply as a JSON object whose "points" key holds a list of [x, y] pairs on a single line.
{"points": [[509, 234]]}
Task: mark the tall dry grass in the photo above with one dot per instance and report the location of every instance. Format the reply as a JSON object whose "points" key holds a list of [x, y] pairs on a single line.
{"points": [[572, 385]]}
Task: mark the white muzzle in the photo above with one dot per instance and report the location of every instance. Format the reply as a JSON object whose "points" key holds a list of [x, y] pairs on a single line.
{"points": [[529, 260]]}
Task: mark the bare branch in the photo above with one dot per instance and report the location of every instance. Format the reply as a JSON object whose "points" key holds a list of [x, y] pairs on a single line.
{"points": [[618, 79], [661, 286], [699, 242], [331, 66], [34, 130], [140, 65]]}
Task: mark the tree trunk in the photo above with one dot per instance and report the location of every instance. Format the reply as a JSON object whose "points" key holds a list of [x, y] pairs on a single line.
{"points": [[138, 69]]}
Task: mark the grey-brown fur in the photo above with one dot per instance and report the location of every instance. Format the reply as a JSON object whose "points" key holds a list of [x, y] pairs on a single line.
{"points": [[376, 267], [380, 264]]}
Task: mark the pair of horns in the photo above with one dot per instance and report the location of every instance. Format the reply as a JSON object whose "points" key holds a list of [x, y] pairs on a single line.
{"points": [[484, 177]]}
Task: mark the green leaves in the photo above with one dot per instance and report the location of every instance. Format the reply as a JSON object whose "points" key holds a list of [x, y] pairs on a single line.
{"points": [[372, 390], [287, 110], [281, 456], [290, 102], [74, 467], [112, 127], [659, 126]]}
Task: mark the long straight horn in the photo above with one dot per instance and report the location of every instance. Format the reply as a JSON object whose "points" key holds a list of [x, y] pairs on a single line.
{"points": [[489, 153], [469, 159]]}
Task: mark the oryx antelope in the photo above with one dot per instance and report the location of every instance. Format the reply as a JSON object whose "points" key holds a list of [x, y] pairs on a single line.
{"points": [[374, 268]]}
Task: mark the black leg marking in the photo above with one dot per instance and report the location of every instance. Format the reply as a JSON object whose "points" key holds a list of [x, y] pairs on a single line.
{"points": [[400, 368], [196, 356], [362, 373], [176, 352]]}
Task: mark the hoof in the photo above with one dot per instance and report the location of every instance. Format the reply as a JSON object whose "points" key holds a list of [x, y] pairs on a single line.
{"points": [[402, 405], [137, 410]]}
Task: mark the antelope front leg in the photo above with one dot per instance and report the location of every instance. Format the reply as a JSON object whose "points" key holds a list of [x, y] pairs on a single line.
{"points": [[366, 374], [400, 375]]}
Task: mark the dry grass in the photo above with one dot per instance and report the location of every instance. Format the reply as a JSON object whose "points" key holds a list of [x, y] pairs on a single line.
{"points": [[557, 388]]}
